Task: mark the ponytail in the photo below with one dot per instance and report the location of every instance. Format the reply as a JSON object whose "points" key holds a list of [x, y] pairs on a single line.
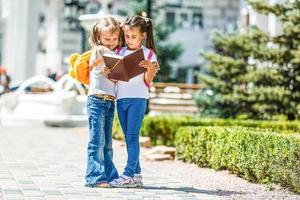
{"points": [[95, 36], [150, 36]]}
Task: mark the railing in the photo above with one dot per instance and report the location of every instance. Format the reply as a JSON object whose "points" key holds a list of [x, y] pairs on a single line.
{"points": [[174, 98]]}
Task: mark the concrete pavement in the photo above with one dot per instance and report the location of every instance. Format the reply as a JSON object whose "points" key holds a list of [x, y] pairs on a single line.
{"points": [[49, 163]]}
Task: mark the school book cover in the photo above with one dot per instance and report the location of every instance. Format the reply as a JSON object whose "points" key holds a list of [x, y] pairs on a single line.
{"points": [[124, 68]]}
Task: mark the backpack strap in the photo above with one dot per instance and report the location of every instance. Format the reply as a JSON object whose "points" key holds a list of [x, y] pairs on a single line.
{"points": [[149, 57], [120, 51], [148, 85], [150, 54]]}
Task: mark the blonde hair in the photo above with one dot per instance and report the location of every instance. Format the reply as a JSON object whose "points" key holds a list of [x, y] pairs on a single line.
{"points": [[105, 24]]}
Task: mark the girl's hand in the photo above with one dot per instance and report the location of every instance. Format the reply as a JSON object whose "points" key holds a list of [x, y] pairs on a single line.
{"points": [[152, 67], [152, 70], [157, 66], [106, 71], [145, 64]]}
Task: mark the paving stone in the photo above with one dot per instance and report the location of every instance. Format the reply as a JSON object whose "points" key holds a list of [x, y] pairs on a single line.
{"points": [[49, 164], [33, 194], [12, 191], [52, 193]]}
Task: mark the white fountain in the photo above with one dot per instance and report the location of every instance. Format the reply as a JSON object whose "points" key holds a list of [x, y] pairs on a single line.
{"points": [[64, 104]]}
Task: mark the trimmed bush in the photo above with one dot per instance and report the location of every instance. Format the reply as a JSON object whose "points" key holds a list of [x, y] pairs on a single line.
{"points": [[162, 129], [257, 155]]}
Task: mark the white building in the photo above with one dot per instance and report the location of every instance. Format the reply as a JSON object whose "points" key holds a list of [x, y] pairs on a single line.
{"points": [[196, 20], [19, 22], [1, 30], [35, 36], [268, 23]]}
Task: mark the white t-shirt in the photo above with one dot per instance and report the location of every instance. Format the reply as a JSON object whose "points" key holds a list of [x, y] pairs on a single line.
{"points": [[99, 84], [136, 87]]}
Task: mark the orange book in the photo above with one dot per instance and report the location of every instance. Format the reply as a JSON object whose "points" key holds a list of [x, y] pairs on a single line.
{"points": [[124, 68]]}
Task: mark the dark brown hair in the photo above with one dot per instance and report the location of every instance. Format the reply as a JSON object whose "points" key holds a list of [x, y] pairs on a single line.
{"points": [[145, 25], [105, 24]]}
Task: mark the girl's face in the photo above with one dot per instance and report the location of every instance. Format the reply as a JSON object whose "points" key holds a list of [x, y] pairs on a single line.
{"points": [[110, 40], [133, 37]]}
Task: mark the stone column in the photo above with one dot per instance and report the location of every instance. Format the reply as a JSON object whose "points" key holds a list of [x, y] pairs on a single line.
{"points": [[20, 39], [190, 75], [272, 21], [53, 35], [3, 16]]}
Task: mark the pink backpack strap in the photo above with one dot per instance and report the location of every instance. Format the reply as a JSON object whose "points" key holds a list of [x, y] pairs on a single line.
{"points": [[148, 85], [150, 54], [120, 51]]}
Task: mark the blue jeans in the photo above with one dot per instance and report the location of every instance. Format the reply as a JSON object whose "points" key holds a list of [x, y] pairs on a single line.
{"points": [[100, 166], [131, 112]]}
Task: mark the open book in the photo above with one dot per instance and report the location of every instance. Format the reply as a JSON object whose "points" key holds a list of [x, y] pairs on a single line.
{"points": [[124, 68]]}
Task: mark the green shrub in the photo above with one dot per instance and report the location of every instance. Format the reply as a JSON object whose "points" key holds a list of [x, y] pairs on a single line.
{"points": [[162, 129], [257, 155]]}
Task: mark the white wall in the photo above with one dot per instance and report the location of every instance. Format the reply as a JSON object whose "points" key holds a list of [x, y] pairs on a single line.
{"points": [[268, 23], [20, 43]]}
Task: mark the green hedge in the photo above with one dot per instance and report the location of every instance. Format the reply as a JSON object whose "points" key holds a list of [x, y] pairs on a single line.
{"points": [[259, 156], [162, 129]]}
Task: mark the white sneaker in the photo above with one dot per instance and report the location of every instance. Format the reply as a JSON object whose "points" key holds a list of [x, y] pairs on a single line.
{"points": [[123, 182], [138, 180]]}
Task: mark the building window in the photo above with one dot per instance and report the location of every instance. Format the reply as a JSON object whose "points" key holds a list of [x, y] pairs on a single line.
{"points": [[184, 20], [170, 18], [198, 20], [174, 2], [93, 7]]}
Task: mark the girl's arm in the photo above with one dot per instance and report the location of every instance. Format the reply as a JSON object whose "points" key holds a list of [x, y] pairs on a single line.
{"points": [[152, 69]]}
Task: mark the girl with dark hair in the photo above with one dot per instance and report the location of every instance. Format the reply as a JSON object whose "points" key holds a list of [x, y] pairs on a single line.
{"points": [[132, 96]]}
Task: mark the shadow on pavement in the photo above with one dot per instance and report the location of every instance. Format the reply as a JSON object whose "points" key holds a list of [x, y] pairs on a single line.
{"points": [[194, 190]]}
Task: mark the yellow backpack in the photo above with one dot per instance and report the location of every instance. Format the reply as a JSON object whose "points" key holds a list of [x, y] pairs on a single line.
{"points": [[79, 67], [80, 64]]}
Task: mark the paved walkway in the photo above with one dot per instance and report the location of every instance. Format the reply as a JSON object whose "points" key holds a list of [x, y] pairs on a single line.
{"points": [[49, 163]]}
